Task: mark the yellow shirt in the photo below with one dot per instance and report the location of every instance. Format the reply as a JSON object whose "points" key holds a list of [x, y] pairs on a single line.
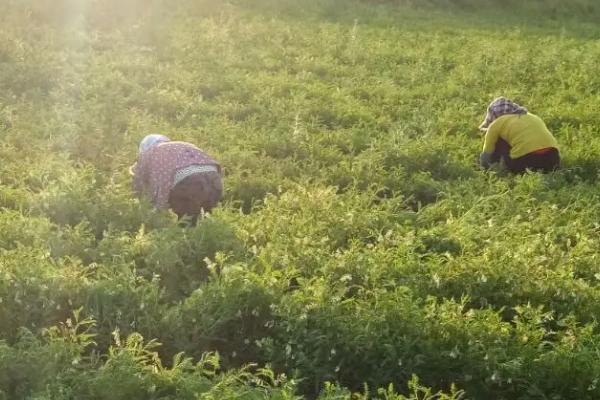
{"points": [[524, 133]]}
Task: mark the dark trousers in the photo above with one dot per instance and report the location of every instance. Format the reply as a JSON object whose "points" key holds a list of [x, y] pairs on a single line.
{"points": [[196, 194], [545, 162]]}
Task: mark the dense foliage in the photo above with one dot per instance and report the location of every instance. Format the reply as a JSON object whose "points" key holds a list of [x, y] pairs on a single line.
{"points": [[358, 246]]}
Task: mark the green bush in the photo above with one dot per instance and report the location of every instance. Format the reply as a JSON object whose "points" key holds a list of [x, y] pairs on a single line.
{"points": [[358, 245]]}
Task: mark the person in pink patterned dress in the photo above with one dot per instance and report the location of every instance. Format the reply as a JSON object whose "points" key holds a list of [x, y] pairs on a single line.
{"points": [[177, 175]]}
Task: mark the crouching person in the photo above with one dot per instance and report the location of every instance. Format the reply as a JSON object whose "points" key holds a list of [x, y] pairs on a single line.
{"points": [[517, 137], [177, 175]]}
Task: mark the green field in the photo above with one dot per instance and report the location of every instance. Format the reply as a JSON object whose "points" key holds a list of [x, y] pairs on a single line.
{"points": [[359, 252]]}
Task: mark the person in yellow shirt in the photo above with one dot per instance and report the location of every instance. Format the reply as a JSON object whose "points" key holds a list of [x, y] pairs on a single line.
{"points": [[517, 137]]}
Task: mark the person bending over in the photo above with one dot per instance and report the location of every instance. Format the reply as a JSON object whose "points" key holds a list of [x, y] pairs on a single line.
{"points": [[518, 137], [177, 175]]}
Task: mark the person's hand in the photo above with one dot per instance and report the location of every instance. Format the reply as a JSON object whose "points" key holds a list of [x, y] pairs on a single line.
{"points": [[485, 160]]}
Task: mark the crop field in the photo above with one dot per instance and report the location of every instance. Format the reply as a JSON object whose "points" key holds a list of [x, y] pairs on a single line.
{"points": [[359, 252]]}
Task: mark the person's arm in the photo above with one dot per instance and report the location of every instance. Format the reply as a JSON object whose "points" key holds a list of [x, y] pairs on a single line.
{"points": [[491, 137], [138, 172], [161, 201], [489, 145]]}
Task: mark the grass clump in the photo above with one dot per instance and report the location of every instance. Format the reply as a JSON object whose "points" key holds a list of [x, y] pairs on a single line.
{"points": [[359, 252]]}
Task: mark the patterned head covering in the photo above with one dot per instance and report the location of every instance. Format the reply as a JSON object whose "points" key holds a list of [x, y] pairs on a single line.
{"points": [[152, 140], [499, 107]]}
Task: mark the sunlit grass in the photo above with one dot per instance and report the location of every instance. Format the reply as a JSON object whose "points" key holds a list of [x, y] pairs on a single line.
{"points": [[358, 241]]}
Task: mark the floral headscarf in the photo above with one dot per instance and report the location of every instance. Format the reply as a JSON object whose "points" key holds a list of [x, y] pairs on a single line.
{"points": [[152, 140], [499, 107]]}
